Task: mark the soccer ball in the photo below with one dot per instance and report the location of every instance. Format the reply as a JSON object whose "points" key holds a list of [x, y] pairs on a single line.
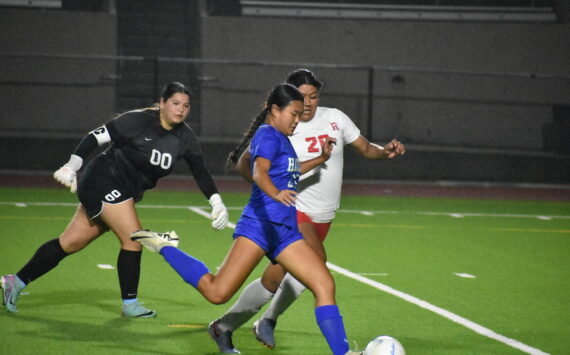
{"points": [[384, 345]]}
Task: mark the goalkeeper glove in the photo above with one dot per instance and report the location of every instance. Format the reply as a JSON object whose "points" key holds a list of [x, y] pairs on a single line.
{"points": [[219, 212], [67, 174]]}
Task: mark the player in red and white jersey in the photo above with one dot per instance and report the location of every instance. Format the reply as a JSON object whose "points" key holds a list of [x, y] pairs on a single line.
{"points": [[320, 189], [318, 199]]}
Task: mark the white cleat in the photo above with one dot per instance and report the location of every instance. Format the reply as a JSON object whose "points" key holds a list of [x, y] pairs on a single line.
{"points": [[154, 241]]}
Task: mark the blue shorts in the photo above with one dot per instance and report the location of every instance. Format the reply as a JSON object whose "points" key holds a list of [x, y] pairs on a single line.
{"points": [[273, 238]]}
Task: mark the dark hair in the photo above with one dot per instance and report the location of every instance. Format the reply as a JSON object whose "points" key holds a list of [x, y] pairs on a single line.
{"points": [[304, 76], [281, 95], [173, 88], [167, 92]]}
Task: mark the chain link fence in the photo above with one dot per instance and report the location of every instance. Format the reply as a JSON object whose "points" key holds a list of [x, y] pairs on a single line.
{"points": [[65, 96]]}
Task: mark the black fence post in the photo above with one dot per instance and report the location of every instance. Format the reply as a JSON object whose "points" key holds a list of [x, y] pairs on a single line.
{"points": [[155, 73], [370, 104]]}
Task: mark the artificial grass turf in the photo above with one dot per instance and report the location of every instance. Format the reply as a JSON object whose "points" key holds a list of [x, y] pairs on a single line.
{"points": [[413, 245]]}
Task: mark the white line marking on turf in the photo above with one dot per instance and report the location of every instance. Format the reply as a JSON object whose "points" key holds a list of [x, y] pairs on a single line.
{"points": [[423, 304], [105, 266], [442, 312], [364, 212], [207, 215], [464, 275]]}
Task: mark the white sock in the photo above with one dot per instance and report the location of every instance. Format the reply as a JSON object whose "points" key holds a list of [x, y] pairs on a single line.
{"points": [[289, 290], [253, 297]]}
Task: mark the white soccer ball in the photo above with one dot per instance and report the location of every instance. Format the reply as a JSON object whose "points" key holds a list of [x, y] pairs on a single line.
{"points": [[384, 345]]}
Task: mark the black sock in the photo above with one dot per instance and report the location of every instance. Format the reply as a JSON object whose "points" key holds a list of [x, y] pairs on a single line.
{"points": [[129, 269], [46, 258]]}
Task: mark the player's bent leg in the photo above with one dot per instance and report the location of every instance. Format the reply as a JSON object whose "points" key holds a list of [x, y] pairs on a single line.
{"points": [[252, 298], [306, 266], [122, 219], [311, 236], [303, 263], [78, 234], [242, 258], [190, 269], [288, 292], [273, 276], [240, 261]]}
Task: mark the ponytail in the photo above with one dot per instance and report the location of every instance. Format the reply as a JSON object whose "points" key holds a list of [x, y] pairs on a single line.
{"points": [[281, 96], [234, 155]]}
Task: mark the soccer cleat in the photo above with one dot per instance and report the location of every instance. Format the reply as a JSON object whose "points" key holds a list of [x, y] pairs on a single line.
{"points": [[222, 338], [154, 241], [352, 352], [10, 292], [264, 330], [135, 310]]}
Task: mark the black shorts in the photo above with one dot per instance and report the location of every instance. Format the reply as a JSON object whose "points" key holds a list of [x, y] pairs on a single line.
{"points": [[98, 185]]}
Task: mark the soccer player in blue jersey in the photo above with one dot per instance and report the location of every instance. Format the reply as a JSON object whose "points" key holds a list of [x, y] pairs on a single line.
{"points": [[268, 224], [143, 146], [317, 202]]}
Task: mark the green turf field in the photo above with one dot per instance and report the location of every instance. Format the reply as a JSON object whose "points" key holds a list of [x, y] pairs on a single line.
{"points": [[395, 261]]}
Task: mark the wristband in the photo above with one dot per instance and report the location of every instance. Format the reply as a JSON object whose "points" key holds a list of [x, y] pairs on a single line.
{"points": [[75, 162]]}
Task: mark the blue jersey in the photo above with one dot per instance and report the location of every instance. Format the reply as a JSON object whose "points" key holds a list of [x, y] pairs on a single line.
{"points": [[285, 170]]}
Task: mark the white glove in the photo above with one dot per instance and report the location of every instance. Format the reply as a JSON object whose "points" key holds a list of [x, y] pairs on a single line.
{"points": [[219, 212], [67, 174]]}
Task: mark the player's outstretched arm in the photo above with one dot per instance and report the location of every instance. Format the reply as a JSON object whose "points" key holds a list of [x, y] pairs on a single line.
{"points": [[374, 151]]}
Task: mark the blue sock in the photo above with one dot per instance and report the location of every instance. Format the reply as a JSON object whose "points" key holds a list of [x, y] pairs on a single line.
{"points": [[332, 327], [188, 267]]}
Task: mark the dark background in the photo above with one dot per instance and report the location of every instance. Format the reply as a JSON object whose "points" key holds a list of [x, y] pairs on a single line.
{"points": [[479, 91]]}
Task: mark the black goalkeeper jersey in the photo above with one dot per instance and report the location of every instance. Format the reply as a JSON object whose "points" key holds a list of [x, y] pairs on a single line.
{"points": [[142, 151]]}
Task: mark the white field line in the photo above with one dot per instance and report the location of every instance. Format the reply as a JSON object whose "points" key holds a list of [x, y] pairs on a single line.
{"points": [[442, 312], [363, 212], [457, 214], [423, 304], [201, 212]]}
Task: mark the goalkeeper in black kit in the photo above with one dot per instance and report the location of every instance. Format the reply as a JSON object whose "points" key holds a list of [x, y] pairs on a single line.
{"points": [[143, 146]]}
